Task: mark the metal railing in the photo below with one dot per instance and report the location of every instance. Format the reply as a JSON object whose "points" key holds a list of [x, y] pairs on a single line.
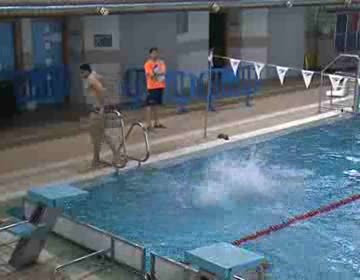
{"points": [[122, 148], [356, 90]]}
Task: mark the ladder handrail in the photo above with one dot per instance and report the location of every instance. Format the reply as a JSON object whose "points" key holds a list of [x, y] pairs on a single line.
{"points": [[128, 133], [146, 138]]}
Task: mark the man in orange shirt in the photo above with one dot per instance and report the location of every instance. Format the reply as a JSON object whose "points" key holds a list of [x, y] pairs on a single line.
{"points": [[155, 70]]}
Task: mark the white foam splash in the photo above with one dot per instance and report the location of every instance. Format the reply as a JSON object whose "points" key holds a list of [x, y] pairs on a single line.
{"points": [[230, 180]]}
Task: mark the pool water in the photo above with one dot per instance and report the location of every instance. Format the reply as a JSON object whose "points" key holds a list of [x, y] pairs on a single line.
{"points": [[236, 192]]}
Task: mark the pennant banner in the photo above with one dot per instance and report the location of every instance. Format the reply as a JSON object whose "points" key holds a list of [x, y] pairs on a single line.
{"points": [[211, 57], [234, 65], [258, 68], [281, 71], [307, 76], [335, 81]]}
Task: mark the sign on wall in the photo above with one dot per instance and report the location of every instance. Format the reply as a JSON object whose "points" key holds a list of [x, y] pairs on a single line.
{"points": [[103, 41]]}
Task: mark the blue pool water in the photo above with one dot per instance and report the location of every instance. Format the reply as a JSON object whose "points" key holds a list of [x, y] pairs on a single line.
{"points": [[230, 194]]}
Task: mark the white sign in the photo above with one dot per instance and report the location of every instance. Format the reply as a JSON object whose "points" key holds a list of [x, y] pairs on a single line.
{"points": [[307, 76], [52, 37], [281, 71], [234, 65]]}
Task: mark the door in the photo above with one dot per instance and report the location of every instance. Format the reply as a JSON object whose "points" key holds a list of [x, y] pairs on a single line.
{"points": [[217, 37], [7, 47], [47, 43]]}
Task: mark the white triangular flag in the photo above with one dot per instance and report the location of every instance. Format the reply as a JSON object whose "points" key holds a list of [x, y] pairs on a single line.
{"points": [[234, 65], [307, 76], [335, 81], [281, 71], [358, 80], [258, 68], [211, 57]]}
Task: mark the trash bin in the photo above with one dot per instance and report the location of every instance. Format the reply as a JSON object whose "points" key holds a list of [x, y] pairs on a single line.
{"points": [[7, 100]]}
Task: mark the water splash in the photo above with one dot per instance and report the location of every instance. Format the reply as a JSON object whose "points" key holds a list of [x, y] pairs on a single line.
{"points": [[232, 180]]}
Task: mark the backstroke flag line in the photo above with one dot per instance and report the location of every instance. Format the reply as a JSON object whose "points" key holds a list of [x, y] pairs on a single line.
{"points": [[258, 68], [281, 71], [307, 76], [211, 57], [234, 65], [335, 81]]}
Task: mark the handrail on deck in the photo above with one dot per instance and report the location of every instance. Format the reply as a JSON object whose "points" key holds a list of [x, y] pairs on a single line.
{"points": [[13, 225], [124, 138], [343, 55]]}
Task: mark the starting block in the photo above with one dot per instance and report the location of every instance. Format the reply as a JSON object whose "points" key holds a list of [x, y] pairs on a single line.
{"points": [[47, 204], [223, 261]]}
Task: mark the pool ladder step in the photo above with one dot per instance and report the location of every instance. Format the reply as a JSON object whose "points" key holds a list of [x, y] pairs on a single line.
{"points": [[123, 156]]}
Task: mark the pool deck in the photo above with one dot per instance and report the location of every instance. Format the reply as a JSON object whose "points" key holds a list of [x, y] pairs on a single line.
{"points": [[35, 164]]}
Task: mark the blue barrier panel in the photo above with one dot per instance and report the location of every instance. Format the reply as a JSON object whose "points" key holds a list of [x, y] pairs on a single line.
{"points": [[180, 88], [134, 87], [226, 85], [40, 86]]}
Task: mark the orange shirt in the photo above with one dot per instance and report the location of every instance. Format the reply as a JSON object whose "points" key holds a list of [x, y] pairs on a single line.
{"points": [[155, 74]]}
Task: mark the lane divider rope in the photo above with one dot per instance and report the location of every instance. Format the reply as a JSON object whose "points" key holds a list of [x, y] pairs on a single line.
{"points": [[297, 219]]}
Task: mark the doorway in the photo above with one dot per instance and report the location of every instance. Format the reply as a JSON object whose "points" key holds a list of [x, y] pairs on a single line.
{"points": [[217, 37]]}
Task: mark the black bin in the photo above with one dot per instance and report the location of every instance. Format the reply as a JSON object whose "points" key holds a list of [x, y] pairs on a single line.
{"points": [[7, 100]]}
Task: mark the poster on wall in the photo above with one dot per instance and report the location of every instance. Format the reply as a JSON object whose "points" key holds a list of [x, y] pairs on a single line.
{"points": [[103, 40]]}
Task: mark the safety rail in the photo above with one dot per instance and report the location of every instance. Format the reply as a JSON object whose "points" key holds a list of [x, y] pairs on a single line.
{"points": [[86, 257], [355, 105], [48, 85], [146, 140], [183, 88], [122, 148], [13, 225], [227, 85]]}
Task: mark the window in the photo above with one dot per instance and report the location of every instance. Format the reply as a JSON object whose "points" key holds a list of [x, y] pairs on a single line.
{"points": [[347, 32], [182, 22]]}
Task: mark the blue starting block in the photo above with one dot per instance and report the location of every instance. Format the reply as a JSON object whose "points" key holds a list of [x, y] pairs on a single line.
{"points": [[46, 207], [224, 261], [56, 196]]}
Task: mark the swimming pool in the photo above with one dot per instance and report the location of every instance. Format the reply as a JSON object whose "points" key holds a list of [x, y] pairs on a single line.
{"points": [[224, 196]]}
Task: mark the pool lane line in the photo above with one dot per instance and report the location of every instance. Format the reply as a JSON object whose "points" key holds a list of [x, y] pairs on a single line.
{"points": [[297, 219], [62, 164]]}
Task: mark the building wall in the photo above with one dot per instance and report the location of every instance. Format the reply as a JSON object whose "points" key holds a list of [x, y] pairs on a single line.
{"points": [[248, 34], [75, 42], [105, 60], [144, 31], [287, 38], [192, 46]]}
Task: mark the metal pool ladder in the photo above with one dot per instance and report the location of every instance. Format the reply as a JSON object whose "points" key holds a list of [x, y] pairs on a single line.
{"points": [[122, 150]]}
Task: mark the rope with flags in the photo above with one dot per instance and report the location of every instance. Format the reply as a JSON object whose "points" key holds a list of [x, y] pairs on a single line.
{"points": [[297, 219], [281, 71]]}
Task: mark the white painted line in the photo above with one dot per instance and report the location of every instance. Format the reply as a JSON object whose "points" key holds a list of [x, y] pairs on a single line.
{"points": [[62, 164]]}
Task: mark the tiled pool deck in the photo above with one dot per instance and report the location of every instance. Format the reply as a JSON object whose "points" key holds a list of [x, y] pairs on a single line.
{"points": [[39, 163]]}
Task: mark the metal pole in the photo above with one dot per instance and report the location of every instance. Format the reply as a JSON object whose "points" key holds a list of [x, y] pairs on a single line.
{"points": [[346, 33], [321, 91], [209, 88], [101, 252], [356, 93], [13, 225]]}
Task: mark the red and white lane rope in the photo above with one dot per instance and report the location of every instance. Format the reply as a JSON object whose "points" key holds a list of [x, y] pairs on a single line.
{"points": [[297, 219]]}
